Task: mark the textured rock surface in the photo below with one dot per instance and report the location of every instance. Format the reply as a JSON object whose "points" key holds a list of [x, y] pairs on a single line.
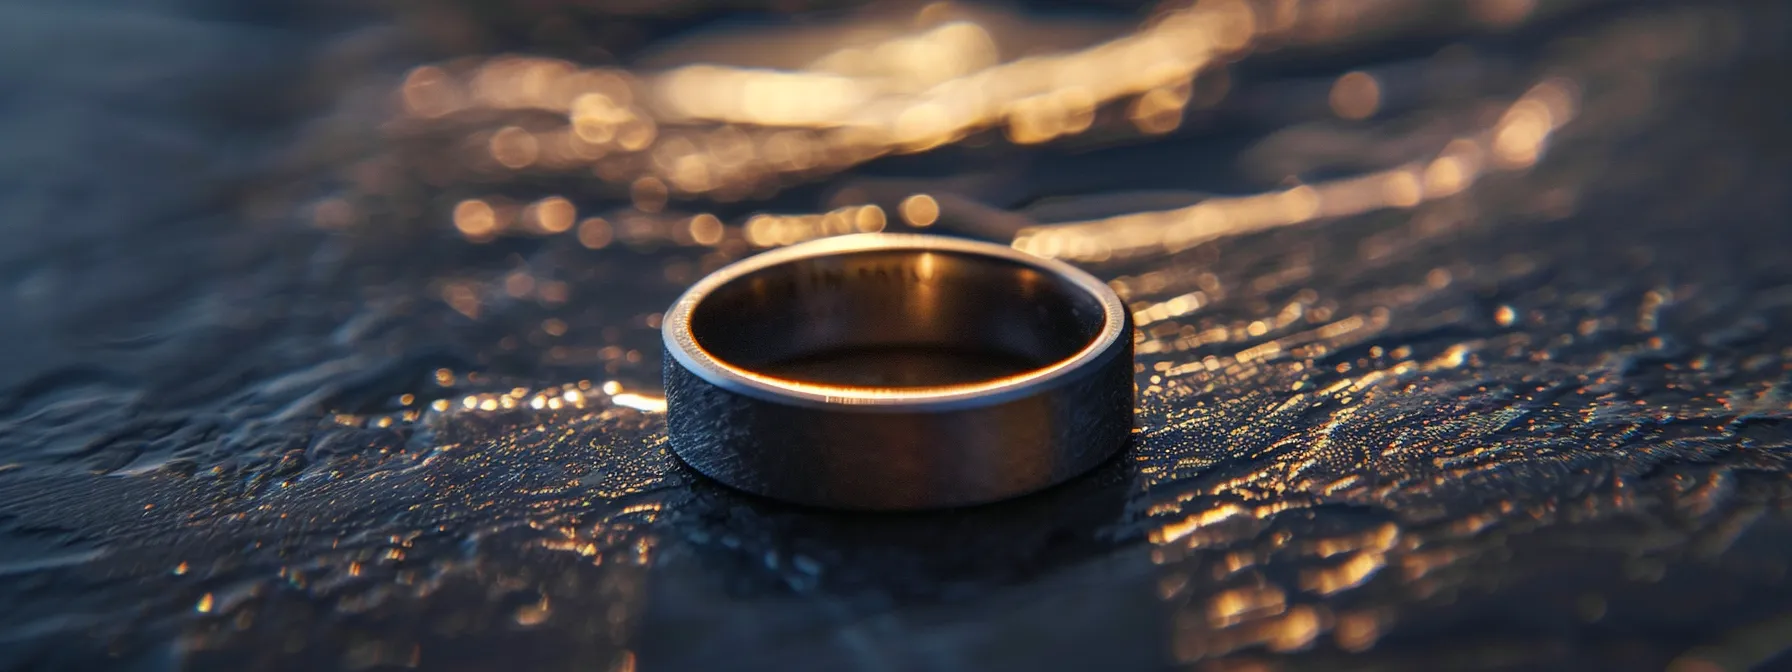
{"points": [[1540, 424]]}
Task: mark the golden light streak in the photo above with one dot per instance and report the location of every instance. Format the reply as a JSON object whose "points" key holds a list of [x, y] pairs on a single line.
{"points": [[730, 133], [919, 210], [475, 219], [553, 214], [1516, 140], [706, 229], [740, 128], [767, 230]]}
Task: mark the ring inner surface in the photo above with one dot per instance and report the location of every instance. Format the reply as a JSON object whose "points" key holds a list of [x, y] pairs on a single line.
{"points": [[896, 319]]}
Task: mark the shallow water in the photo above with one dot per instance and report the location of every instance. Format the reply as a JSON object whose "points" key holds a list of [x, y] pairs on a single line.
{"points": [[306, 367]]}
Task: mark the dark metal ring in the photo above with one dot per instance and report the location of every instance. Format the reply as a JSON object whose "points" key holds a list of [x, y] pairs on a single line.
{"points": [[886, 371]]}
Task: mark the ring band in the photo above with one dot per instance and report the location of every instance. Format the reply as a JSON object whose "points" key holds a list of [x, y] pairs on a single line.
{"points": [[889, 372]]}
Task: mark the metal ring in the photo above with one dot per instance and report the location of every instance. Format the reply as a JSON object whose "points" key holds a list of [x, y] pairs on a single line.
{"points": [[887, 371]]}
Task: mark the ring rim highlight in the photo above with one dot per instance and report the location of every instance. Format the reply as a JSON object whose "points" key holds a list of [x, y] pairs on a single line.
{"points": [[914, 447]]}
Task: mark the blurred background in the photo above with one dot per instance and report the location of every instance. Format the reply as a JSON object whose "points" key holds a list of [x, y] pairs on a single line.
{"points": [[330, 333]]}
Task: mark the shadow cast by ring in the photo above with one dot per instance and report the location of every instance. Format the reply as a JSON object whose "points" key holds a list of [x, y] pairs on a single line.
{"points": [[760, 548]]}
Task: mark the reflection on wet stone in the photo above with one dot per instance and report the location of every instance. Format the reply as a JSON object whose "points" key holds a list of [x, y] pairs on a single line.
{"points": [[939, 577], [1461, 338]]}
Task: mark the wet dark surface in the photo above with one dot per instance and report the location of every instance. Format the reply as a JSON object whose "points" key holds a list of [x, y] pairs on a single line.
{"points": [[276, 394]]}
